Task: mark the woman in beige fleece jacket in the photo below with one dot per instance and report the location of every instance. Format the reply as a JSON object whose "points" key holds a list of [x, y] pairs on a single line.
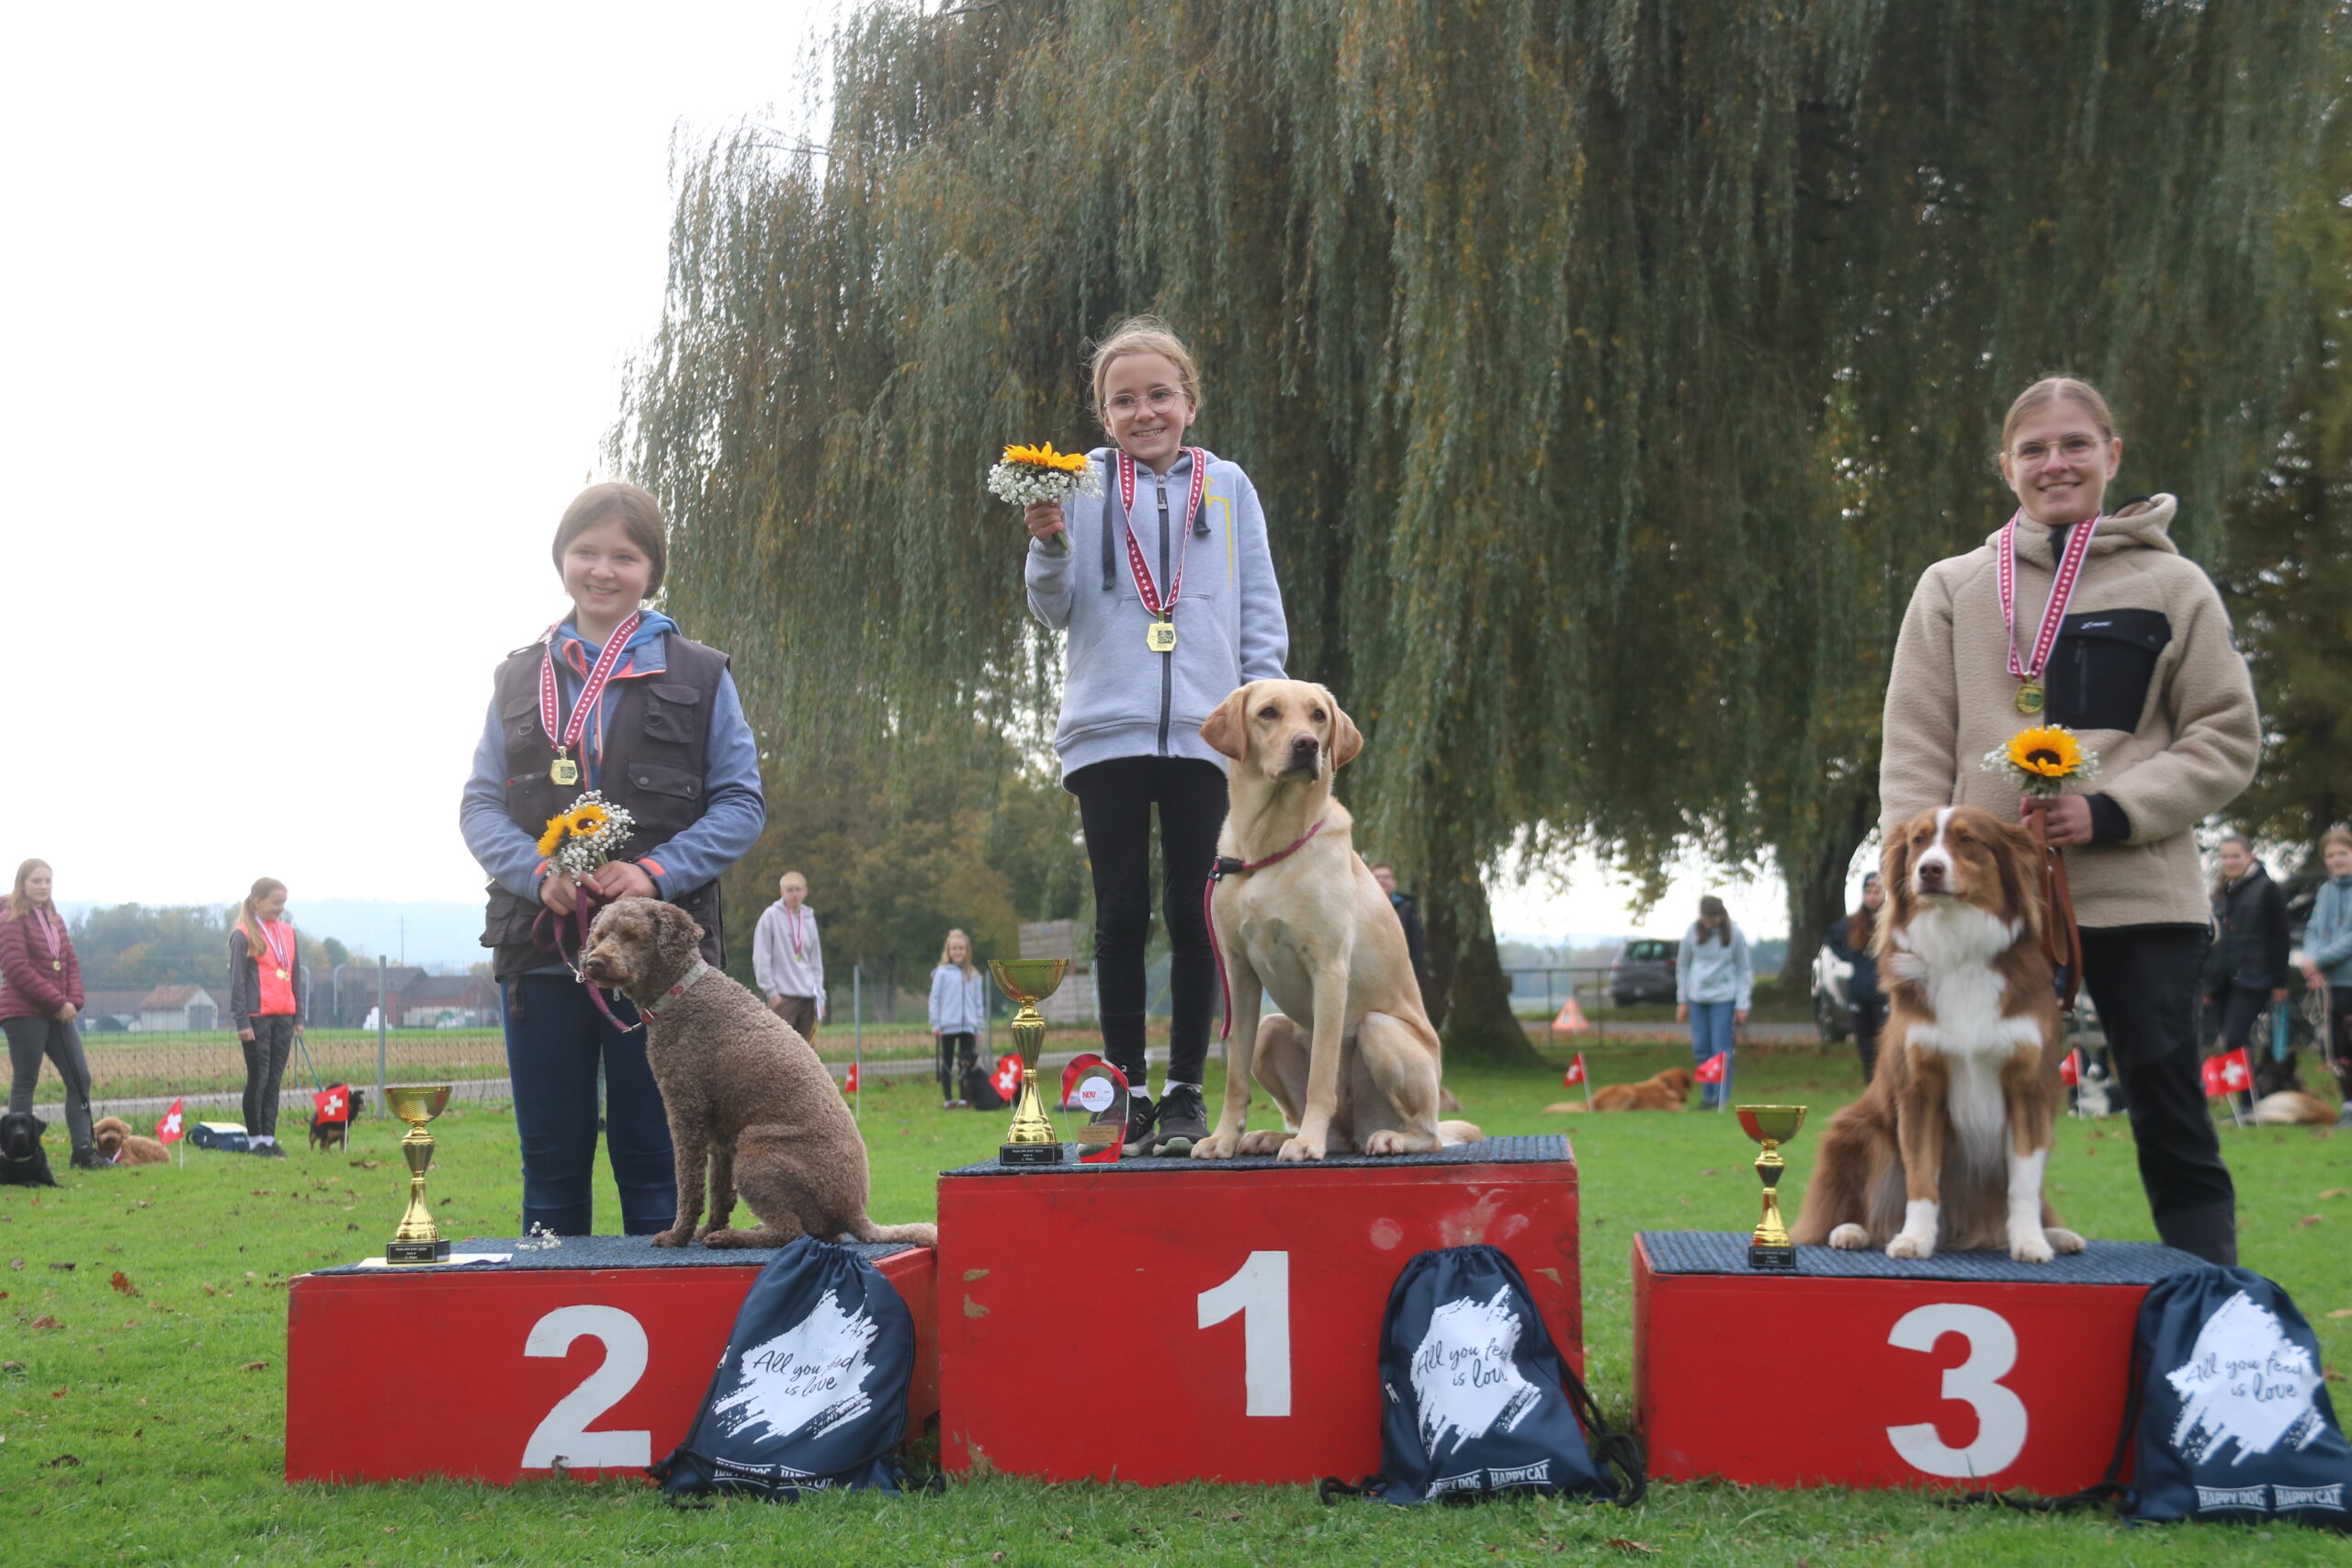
{"points": [[2144, 670]]}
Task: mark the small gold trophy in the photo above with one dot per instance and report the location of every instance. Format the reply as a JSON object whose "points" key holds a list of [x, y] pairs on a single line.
{"points": [[1771, 1125], [1029, 981], [419, 1239]]}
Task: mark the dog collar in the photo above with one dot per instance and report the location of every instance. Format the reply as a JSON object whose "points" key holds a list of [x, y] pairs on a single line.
{"points": [[680, 989], [1227, 865]]}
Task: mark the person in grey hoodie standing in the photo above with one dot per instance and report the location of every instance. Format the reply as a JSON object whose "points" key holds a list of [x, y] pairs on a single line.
{"points": [[2327, 958], [1166, 588], [1713, 986]]}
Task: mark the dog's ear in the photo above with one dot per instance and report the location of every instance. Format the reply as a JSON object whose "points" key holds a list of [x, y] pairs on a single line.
{"points": [[2021, 873], [1346, 738], [1227, 729], [676, 935]]}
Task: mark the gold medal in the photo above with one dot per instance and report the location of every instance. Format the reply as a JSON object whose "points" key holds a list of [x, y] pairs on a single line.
{"points": [[564, 771], [2029, 698], [281, 973], [57, 964], [1162, 638]]}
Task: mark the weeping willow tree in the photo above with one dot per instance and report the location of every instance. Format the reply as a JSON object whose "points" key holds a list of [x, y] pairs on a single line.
{"points": [[1609, 370]]}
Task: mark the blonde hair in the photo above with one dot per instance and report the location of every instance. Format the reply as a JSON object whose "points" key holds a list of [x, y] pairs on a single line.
{"points": [[1144, 334], [19, 904], [968, 966], [249, 922], [2058, 388], [2338, 835]]}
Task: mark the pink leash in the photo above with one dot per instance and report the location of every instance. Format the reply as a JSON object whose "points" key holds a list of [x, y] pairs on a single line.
{"points": [[553, 936], [1223, 867]]}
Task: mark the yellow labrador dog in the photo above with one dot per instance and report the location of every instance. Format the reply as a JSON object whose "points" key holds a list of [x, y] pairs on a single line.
{"points": [[1352, 1059]]}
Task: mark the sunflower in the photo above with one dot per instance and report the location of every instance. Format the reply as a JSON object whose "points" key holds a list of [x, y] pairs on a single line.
{"points": [[2047, 751], [589, 819], [558, 828], [1045, 457]]}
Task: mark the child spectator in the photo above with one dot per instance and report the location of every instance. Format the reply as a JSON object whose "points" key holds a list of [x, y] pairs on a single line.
{"points": [[960, 1001], [1713, 985], [265, 1005], [788, 957]]}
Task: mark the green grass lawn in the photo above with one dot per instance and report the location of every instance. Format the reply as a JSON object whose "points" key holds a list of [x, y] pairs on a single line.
{"points": [[171, 1402]]}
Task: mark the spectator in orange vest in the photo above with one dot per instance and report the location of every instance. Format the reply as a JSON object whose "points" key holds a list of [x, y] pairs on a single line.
{"points": [[265, 1005]]}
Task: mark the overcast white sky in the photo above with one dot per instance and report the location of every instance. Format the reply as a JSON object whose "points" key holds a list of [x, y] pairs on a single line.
{"points": [[315, 317]]}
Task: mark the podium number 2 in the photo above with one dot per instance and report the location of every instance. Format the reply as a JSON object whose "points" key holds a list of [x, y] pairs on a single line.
{"points": [[1261, 1293], [2000, 1414], [564, 1434]]}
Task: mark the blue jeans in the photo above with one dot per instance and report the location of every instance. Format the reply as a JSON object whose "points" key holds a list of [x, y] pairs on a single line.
{"points": [[1710, 1035], [554, 1038]]}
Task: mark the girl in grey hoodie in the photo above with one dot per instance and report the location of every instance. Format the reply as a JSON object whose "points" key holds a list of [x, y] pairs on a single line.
{"points": [[1166, 589]]}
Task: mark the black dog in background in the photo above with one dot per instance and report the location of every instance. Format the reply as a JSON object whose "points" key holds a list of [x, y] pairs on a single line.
{"points": [[23, 1162], [336, 1134]]}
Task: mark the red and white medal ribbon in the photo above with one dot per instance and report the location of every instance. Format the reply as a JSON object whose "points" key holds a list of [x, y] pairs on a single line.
{"points": [[2061, 594], [1145, 587], [792, 922], [550, 714], [279, 946], [51, 932]]}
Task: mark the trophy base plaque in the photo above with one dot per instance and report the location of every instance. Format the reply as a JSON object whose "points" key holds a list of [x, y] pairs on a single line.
{"points": [[1029, 1154], [416, 1252], [1772, 1257]]}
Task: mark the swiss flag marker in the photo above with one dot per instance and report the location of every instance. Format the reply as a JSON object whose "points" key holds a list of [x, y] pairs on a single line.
{"points": [[2070, 1071], [1007, 1077], [1575, 1075], [1712, 1069], [333, 1103], [848, 1084], [168, 1130], [2227, 1073]]}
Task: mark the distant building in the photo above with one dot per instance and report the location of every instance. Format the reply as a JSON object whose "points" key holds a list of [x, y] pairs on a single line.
{"points": [[433, 1001], [181, 1009], [109, 1013]]}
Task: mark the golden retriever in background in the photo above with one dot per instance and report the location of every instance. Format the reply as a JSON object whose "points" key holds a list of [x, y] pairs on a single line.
{"points": [[119, 1145], [2291, 1108], [1351, 1059], [1666, 1091]]}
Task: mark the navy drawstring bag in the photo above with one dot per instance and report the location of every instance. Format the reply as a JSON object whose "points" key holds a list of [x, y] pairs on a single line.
{"points": [[812, 1395], [1475, 1399], [2227, 1415]]}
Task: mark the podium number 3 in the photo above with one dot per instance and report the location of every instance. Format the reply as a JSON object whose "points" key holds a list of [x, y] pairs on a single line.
{"points": [[564, 1434], [2000, 1414], [1261, 1293]]}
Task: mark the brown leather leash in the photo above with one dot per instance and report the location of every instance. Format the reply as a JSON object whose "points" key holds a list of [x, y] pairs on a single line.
{"points": [[2057, 911]]}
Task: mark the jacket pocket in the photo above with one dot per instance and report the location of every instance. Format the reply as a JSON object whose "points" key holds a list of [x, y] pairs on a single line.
{"points": [[666, 801], [2100, 670], [673, 714]]}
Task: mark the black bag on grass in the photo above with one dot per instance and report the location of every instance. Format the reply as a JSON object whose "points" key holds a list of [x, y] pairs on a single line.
{"points": [[812, 1395], [1475, 1399]]}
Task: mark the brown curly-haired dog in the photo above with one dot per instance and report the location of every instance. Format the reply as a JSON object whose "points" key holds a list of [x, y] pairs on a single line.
{"points": [[119, 1145], [743, 1092]]}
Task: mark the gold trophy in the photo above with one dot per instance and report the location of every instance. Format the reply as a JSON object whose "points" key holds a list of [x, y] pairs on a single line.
{"points": [[419, 1239], [1029, 981], [1771, 1125]]}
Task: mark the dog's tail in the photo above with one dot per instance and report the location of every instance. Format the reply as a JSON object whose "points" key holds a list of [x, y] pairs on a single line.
{"points": [[1453, 1132], [1578, 1106], [864, 1229]]}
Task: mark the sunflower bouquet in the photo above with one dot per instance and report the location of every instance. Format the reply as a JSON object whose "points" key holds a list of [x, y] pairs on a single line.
{"points": [[586, 836], [2042, 761], [1030, 474]]}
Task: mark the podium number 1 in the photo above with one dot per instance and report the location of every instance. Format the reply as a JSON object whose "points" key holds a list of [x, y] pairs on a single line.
{"points": [[1976, 1382], [1260, 1291]]}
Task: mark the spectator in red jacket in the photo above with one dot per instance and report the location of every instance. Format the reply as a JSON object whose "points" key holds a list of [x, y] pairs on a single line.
{"points": [[41, 995]]}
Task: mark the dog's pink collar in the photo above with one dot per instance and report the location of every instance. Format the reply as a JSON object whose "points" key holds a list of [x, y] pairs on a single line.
{"points": [[675, 992]]}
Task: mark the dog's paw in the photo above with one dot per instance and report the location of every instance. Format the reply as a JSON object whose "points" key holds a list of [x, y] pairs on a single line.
{"points": [[1263, 1141], [2062, 1240], [677, 1237], [1850, 1238], [2029, 1247], [1299, 1149], [1217, 1145], [1909, 1246], [724, 1238]]}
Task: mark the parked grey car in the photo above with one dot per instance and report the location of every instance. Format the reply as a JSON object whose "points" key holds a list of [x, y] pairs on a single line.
{"points": [[1643, 971]]}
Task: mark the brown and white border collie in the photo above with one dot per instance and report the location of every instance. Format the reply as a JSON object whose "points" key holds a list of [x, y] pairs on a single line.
{"points": [[1948, 1145]]}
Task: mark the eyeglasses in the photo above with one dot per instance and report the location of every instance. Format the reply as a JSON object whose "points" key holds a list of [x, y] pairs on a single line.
{"points": [[2073, 448], [1160, 399]]}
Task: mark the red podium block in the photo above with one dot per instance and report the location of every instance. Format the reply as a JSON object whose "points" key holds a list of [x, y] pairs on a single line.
{"points": [[1961, 1370], [1252, 1291], [597, 1353]]}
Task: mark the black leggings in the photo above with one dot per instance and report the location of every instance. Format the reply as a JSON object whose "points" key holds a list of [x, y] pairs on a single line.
{"points": [[265, 1056], [957, 1054], [1869, 1017], [29, 1040], [1115, 802]]}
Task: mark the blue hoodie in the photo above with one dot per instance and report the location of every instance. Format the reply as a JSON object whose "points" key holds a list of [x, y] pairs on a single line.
{"points": [[1119, 698], [2327, 936]]}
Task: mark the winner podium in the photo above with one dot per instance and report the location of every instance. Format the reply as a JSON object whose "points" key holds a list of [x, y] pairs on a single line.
{"points": [[1160, 1320]]}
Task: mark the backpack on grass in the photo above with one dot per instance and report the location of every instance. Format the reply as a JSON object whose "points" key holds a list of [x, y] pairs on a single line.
{"points": [[812, 1395], [1475, 1399]]}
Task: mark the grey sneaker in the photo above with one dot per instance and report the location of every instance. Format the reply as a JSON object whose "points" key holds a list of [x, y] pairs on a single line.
{"points": [[1183, 1120]]}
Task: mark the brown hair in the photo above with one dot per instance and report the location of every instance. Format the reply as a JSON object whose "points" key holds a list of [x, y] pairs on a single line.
{"points": [[1144, 334], [249, 922], [2056, 388], [19, 904], [639, 516], [1712, 909]]}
